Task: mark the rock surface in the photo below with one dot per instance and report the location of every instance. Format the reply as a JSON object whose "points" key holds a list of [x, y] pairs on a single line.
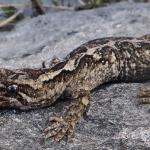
{"points": [[114, 120]]}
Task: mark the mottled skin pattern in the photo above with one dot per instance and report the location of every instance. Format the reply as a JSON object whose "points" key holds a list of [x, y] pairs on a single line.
{"points": [[120, 59]]}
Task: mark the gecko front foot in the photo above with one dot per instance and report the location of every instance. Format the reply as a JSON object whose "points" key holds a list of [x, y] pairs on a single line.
{"points": [[64, 126], [59, 128]]}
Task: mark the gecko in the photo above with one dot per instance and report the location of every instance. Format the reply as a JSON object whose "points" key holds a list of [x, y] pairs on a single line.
{"points": [[117, 59]]}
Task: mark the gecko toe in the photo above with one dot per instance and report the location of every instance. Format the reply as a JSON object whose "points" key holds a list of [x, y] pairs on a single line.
{"points": [[59, 128], [52, 133]]}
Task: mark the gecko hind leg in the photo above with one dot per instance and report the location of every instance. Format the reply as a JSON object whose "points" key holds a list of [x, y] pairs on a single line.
{"points": [[144, 94], [65, 126]]}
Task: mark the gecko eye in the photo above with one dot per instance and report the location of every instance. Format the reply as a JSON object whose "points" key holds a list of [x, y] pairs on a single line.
{"points": [[12, 89]]}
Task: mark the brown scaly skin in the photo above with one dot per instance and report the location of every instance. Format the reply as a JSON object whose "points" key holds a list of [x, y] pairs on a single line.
{"points": [[120, 59]]}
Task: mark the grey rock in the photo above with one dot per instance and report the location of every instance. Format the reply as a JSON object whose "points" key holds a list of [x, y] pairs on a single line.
{"points": [[115, 120]]}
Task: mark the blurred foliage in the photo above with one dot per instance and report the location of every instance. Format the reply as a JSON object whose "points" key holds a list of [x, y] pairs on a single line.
{"points": [[10, 10], [94, 3], [86, 3], [89, 4], [37, 7], [9, 17], [55, 2]]}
